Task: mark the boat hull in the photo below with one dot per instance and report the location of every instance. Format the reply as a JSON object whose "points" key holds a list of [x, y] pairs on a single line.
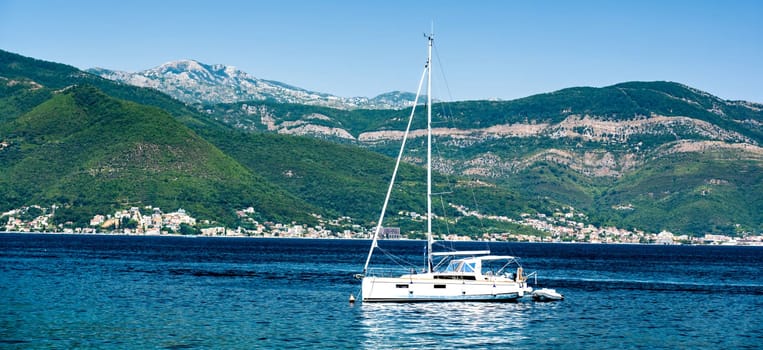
{"points": [[410, 289]]}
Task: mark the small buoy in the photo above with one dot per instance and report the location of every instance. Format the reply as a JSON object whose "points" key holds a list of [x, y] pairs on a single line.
{"points": [[352, 299]]}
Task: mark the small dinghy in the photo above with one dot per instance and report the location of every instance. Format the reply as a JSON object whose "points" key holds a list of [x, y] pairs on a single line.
{"points": [[547, 294]]}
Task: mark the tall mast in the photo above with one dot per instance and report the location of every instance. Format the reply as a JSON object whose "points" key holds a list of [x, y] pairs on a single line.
{"points": [[430, 38], [427, 73]]}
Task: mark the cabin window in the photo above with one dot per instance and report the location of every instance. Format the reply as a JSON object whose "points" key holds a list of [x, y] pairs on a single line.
{"points": [[439, 286], [461, 266], [401, 286], [469, 267]]}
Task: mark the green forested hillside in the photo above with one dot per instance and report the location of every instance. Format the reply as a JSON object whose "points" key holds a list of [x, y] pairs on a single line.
{"points": [[350, 181], [49, 76], [642, 155], [91, 153], [577, 147], [78, 142], [684, 193]]}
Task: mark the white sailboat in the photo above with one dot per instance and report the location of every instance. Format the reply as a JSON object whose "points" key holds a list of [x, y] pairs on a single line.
{"points": [[460, 275]]}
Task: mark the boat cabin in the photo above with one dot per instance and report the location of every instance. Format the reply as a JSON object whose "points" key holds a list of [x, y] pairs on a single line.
{"points": [[473, 268]]}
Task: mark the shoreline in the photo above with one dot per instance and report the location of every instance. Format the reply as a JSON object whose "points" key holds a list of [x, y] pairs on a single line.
{"points": [[743, 244]]}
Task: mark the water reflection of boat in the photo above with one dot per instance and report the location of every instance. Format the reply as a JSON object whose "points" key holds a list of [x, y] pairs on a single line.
{"points": [[458, 275], [459, 325]]}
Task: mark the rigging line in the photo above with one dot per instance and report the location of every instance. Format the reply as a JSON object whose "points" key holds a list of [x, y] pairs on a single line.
{"points": [[396, 259], [449, 188], [447, 116], [444, 211], [477, 209], [445, 120], [449, 112], [442, 73], [445, 172], [397, 166], [441, 193]]}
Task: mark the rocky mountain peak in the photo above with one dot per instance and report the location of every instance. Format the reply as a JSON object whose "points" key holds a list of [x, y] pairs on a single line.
{"points": [[194, 82]]}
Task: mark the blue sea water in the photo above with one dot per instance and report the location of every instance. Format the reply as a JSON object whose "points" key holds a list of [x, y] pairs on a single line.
{"points": [[69, 291]]}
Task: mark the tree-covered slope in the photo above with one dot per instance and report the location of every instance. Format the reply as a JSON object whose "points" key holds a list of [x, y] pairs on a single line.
{"points": [[719, 191], [574, 146], [72, 144], [44, 76], [633, 154], [88, 153], [351, 181]]}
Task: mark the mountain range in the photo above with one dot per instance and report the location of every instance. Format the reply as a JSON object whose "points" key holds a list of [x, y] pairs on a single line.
{"points": [[648, 155], [640, 155], [195, 82], [90, 145]]}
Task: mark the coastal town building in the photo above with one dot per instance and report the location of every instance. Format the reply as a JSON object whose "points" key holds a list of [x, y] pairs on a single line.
{"points": [[565, 225]]}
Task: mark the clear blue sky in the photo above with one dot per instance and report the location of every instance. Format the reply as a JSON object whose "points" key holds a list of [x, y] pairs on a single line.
{"points": [[489, 49]]}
